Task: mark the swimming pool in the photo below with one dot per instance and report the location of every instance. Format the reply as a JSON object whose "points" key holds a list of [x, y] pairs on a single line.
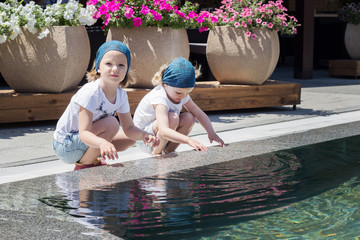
{"points": [[309, 192]]}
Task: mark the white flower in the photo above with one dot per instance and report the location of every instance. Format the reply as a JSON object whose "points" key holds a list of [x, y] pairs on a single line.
{"points": [[31, 28], [15, 32], [49, 21], [14, 21], [68, 15], [86, 18], [14, 15], [2, 38], [43, 34]]}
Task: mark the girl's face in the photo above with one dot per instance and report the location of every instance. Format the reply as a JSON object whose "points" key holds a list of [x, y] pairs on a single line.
{"points": [[176, 94], [113, 66]]}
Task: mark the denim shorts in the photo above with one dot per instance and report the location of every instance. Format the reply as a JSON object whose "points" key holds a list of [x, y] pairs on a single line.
{"points": [[71, 150]]}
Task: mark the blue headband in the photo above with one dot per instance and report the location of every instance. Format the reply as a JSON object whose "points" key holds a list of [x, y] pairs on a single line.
{"points": [[111, 46], [179, 73]]}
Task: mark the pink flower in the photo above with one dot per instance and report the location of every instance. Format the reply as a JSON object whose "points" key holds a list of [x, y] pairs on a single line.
{"points": [[192, 14], [92, 2], [248, 34], [113, 6], [202, 29], [200, 19], [145, 9], [258, 20], [236, 24], [165, 6], [270, 25], [156, 15], [253, 36], [129, 13], [214, 19], [107, 19], [103, 9], [243, 24], [137, 22], [181, 14]]}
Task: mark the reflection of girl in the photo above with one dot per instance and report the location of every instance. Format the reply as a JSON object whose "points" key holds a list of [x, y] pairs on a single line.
{"points": [[88, 127], [95, 206]]}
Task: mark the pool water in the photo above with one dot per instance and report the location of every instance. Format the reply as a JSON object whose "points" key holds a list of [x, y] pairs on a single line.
{"points": [[309, 192]]}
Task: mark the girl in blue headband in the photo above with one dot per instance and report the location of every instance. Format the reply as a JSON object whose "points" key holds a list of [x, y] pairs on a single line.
{"points": [[159, 111], [88, 128]]}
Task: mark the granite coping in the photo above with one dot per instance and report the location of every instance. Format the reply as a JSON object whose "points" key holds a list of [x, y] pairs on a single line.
{"points": [[23, 216]]}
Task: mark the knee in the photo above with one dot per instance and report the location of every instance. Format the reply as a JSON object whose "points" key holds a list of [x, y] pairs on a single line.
{"points": [[187, 119], [110, 127], [173, 120]]}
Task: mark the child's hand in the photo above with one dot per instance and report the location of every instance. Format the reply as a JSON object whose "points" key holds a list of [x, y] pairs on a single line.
{"points": [[108, 150], [149, 138], [216, 138], [198, 146]]}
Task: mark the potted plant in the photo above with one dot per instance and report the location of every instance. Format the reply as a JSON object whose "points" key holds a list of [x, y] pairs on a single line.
{"points": [[154, 31], [44, 49], [350, 13], [243, 47]]}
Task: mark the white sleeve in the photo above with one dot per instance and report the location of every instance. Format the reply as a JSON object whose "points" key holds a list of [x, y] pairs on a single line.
{"points": [[124, 101], [87, 98]]}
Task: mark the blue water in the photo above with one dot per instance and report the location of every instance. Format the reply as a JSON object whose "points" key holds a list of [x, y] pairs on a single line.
{"points": [[309, 192]]}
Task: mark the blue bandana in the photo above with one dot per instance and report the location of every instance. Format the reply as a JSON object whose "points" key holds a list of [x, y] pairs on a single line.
{"points": [[111, 46], [180, 73]]}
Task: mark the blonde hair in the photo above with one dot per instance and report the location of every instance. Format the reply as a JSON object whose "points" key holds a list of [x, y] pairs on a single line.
{"points": [[129, 78], [157, 79]]}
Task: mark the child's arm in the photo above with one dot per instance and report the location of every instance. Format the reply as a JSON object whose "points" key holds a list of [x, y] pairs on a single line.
{"points": [[204, 121], [166, 132], [90, 138], [134, 132]]}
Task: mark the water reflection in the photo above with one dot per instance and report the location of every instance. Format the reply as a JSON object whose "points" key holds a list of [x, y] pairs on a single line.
{"points": [[202, 201]]}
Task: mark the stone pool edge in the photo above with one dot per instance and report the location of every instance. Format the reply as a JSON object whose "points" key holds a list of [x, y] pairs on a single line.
{"points": [[22, 215]]}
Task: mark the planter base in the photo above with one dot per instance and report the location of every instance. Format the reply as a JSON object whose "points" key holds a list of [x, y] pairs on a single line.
{"points": [[348, 68], [209, 96]]}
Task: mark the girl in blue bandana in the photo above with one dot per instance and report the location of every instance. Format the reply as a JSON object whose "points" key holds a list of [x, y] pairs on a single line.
{"points": [[88, 128], [159, 111]]}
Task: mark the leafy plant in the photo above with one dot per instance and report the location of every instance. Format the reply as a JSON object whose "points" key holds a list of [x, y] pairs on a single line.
{"points": [[350, 13], [144, 13], [14, 16], [253, 14]]}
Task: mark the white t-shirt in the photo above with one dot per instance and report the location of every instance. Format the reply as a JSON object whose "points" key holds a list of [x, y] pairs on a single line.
{"points": [[91, 97], [145, 112]]}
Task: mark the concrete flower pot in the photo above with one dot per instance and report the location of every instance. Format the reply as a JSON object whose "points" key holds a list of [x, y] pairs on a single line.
{"points": [[56, 63], [234, 58], [150, 48], [352, 38]]}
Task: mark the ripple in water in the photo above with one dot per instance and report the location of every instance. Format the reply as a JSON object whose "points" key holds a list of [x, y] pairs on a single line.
{"points": [[310, 192]]}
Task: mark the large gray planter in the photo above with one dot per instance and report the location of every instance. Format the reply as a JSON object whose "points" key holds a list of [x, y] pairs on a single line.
{"points": [[151, 48], [352, 41], [56, 63], [234, 58]]}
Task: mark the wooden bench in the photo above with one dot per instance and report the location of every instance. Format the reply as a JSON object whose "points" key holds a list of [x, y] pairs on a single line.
{"points": [[210, 96]]}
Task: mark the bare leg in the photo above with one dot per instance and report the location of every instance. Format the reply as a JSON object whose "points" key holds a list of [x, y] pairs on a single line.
{"points": [[186, 123], [173, 124], [122, 142], [106, 128]]}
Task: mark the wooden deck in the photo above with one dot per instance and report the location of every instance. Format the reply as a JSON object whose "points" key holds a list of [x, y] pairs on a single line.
{"points": [[210, 96]]}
